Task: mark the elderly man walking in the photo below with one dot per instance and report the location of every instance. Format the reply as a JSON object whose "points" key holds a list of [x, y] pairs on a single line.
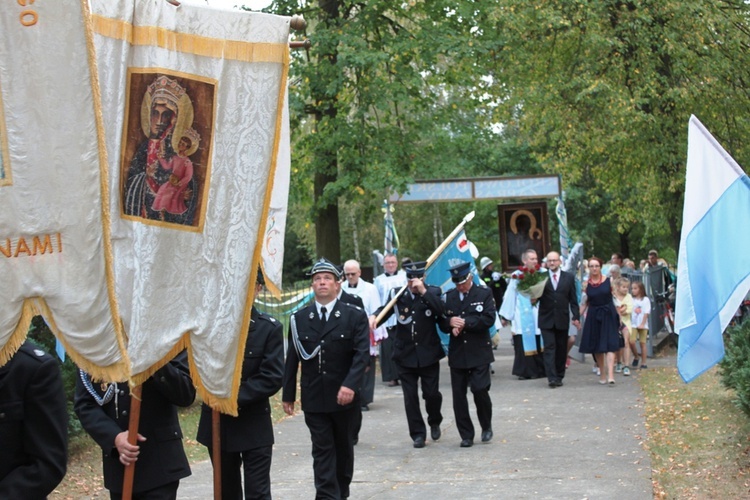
{"points": [[557, 304]]}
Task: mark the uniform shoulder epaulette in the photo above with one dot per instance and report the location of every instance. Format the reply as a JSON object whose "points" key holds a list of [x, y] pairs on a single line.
{"points": [[355, 306], [267, 318], [34, 351]]}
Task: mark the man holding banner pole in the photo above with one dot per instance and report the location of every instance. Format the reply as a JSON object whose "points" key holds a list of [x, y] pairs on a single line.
{"points": [[247, 439], [417, 351], [158, 457]]}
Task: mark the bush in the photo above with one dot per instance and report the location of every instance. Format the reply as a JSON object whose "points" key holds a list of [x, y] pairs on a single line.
{"points": [[735, 367], [40, 334]]}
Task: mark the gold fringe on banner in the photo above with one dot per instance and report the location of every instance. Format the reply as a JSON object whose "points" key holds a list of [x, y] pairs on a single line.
{"points": [[17, 338], [274, 160], [224, 405], [191, 44], [180, 346], [104, 188]]}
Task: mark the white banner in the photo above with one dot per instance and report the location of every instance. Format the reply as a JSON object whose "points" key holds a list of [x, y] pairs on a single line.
{"points": [[202, 92], [273, 242], [54, 240]]}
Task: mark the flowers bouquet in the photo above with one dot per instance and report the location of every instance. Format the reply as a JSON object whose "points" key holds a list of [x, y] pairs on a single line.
{"points": [[530, 282]]}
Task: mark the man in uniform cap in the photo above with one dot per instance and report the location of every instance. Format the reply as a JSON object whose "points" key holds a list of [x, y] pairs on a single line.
{"points": [[494, 281], [158, 457], [33, 424], [417, 350], [468, 315], [247, 439], [329, 339]]}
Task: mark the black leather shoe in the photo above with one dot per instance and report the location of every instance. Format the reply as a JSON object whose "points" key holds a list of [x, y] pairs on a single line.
{"points": [[467, 443], [419, 442], [435, 432], [365, 408], [486, 436], [553, 385], [559, 383]]}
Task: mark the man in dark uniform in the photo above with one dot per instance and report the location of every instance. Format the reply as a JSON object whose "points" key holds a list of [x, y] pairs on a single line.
{"points": [[469, 314], [330, 339], [494, 281], [417, 351], [354, 300], [159, 458], [33, 425], [247, 439]]}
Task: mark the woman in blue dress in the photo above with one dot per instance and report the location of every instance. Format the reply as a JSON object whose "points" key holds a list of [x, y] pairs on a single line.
{"points": [[601, 329]]}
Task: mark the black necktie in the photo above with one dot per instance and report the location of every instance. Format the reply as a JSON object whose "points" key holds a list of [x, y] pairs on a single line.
{"points": [[323, 312]]}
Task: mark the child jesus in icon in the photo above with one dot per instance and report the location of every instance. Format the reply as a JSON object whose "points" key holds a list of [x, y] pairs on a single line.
{"points": [[171, 195]]}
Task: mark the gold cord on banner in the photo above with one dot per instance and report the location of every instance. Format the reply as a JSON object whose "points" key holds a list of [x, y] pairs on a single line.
{"points": [[297, 23]]}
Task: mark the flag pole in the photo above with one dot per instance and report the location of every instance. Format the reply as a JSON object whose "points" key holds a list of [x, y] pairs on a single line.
{"points": [[135, 416], [430, 260], [216, 445]]}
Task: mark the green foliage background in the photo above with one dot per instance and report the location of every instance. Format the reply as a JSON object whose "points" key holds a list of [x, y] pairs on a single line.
{"points": [[735, 367], [596, 91]]}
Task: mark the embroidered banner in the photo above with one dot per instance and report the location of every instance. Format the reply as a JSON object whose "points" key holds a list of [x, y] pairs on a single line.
{"points": [[202, 92], [273, 242], [54, 239]]}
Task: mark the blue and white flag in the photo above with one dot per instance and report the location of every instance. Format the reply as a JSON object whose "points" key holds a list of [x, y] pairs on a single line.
{"points": [[562, 220], [390, 241], [713, 273]]}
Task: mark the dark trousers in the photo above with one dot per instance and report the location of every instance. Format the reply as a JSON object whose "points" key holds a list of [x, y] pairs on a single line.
{"points": [[332, 452], [430, 377], [478, 379], [555, 353], [367, 394], [256, 465], [387, 366], [165, 492]]}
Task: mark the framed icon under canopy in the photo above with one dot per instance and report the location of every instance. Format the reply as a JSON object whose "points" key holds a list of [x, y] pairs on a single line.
{"points": [[522, 226]]}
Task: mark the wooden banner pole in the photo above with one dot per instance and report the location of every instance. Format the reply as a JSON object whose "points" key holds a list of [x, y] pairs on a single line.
{"points": [[135, 416], [430, 260], [216, 451]]}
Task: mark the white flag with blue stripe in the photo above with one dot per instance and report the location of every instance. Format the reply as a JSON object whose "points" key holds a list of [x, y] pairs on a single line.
{"points": [[714, 262]]}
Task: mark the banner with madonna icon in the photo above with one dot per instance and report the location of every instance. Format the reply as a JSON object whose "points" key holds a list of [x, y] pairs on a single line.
{"points": [[55, 257], [194, 158]]}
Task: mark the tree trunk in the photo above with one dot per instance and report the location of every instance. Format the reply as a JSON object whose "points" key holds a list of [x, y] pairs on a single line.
{"points": [[327, 235]]}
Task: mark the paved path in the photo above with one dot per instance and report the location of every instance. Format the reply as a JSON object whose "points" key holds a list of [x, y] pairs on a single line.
{"points": [[583, 440]]}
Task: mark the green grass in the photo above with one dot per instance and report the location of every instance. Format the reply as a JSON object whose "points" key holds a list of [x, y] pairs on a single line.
{"points": [[699, 441], [84, 477], [697, 437]]}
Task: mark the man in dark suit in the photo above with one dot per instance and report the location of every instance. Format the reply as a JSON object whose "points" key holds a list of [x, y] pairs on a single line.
{"points": [[469, 312], [330, 340], [33, 424], [556, 305], [247, 439], [417, 350], [355, 300], [159, 458]]}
